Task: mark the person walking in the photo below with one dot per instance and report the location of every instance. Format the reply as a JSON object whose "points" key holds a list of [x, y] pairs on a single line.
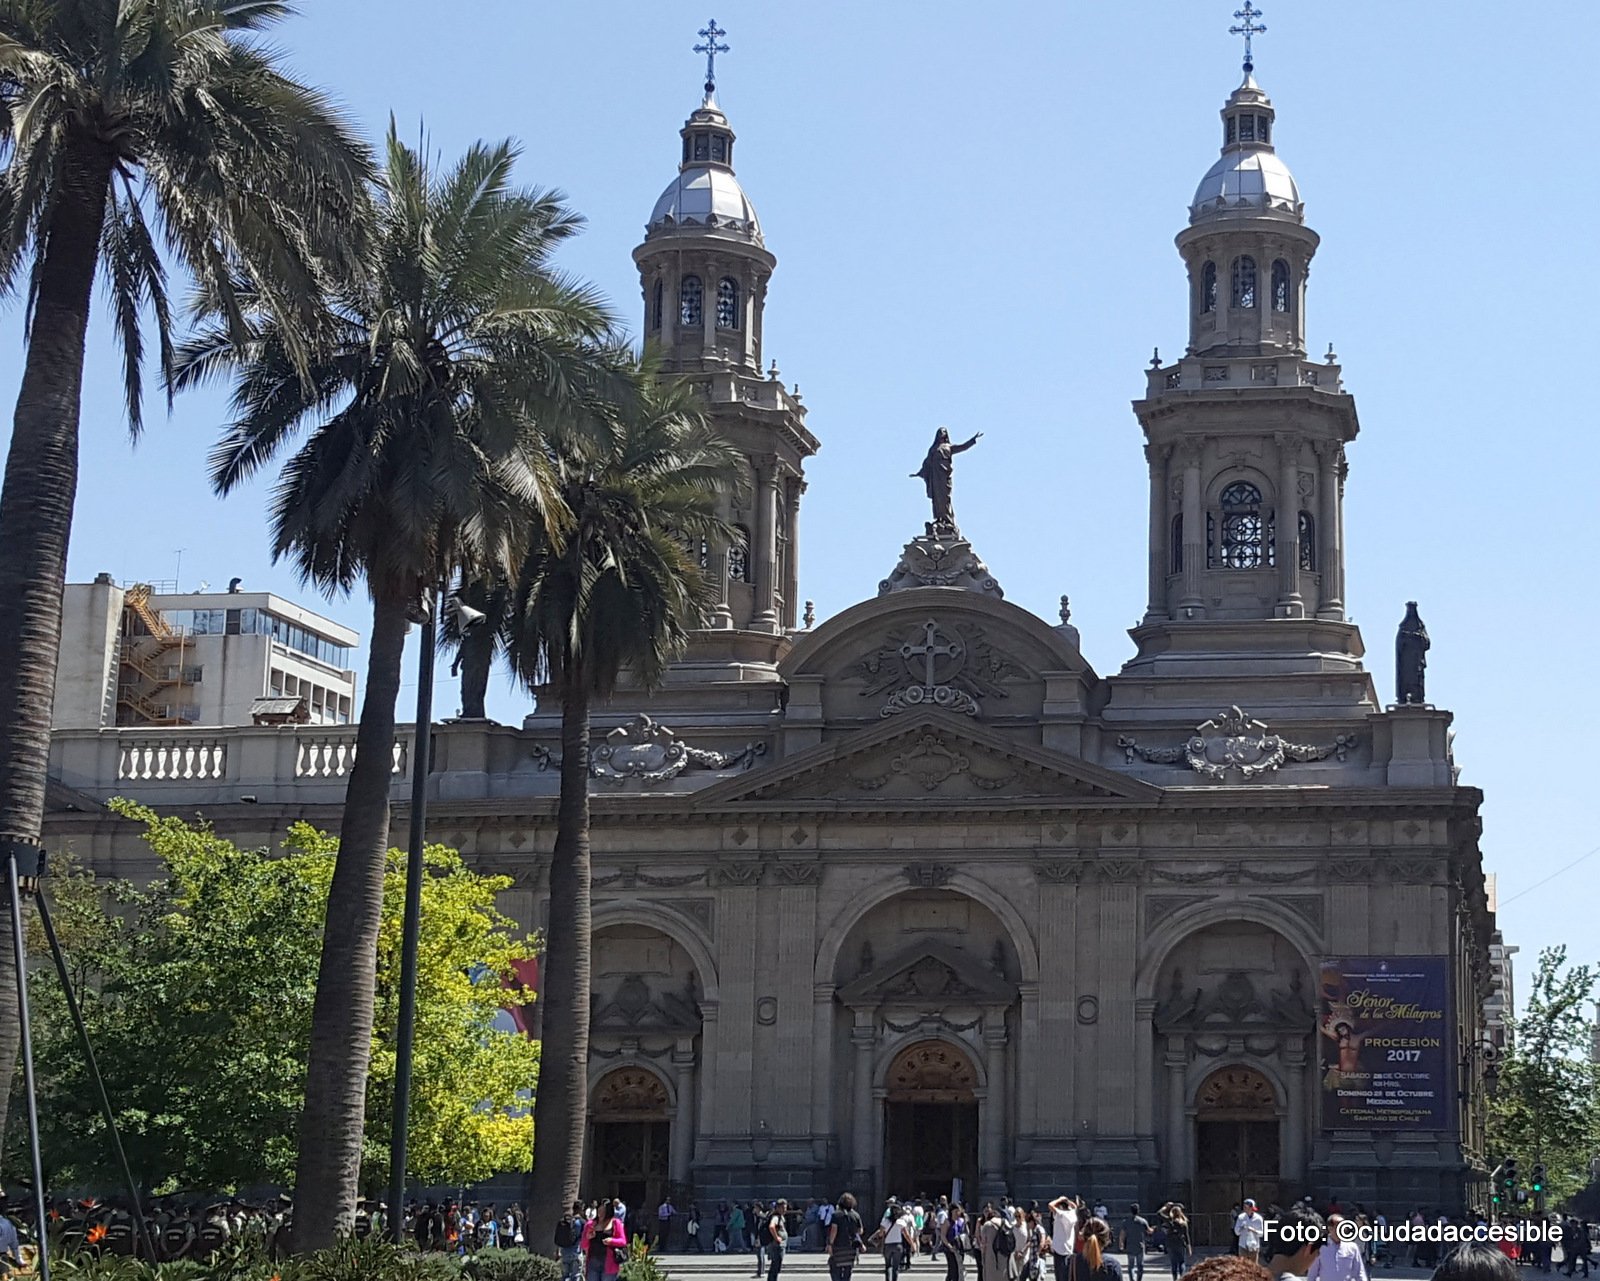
{"points": [[691, 1230], [664, 1213], [843, 1241], [605, 1241], [758, 1235], [997, 1247], [569, 1241], [899, 1241], [777, 1234], [736, 1221], [1178, 1238], [1135, 1236], [1248, 1230], [955, 1242]]}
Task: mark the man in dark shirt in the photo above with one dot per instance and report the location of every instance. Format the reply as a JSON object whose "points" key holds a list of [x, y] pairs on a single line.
{"points": [[10, 1244], [1135, 1232]]}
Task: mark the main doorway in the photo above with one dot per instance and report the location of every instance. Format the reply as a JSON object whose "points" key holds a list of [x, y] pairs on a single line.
{"points": [[1236, 1148], [931, 1122], [629, 1138]]}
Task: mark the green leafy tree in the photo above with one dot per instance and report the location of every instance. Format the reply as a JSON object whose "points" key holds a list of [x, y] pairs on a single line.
{"points": [[618, 593], [134, 134], [198, 993], [1546, 1107], [432, 385]]}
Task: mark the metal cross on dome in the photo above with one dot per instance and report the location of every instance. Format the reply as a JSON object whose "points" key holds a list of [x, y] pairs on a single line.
{"points": [[1249, 27], [710, 34]]}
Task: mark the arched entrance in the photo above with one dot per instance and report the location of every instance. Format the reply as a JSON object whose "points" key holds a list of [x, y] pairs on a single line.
{"points": [[1236, 1140], [931, 1121], [630, 1135]]}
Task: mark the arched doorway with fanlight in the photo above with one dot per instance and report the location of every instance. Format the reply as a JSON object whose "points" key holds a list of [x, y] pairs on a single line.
{"points": [[630, 1136], [1237, 1120], [930, 1120]]}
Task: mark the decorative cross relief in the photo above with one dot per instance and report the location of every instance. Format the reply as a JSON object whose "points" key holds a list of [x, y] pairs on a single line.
{"points": [[1233, 742], [650, 752], [934, 665]]}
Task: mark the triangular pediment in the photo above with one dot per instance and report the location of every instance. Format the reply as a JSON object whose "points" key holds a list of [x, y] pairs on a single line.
{"points": [[928, 760], [929, 972]]}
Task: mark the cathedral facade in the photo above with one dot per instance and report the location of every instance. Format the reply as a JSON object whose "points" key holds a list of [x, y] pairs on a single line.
{"points": [[914, 895]]}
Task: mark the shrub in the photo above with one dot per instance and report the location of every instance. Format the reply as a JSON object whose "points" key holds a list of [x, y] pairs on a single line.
{"points": [[510, 1265], [641, 1265]]}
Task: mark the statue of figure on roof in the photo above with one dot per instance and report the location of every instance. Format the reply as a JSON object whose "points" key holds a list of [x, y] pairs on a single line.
{"points": [[1411, 658], [938, 474]]}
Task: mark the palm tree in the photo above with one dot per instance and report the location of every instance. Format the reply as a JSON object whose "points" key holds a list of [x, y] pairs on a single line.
{"points": [[620, 594], [423, 419], [133, 133]]}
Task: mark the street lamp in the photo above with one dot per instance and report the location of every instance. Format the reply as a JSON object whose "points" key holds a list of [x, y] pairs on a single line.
{"points": [[427, 615]]}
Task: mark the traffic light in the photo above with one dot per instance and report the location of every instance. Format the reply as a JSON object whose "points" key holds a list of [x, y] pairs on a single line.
{"points": [[1538, 1179], [1510, 1175]]}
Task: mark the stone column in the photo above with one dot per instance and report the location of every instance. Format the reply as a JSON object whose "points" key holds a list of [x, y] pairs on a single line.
{"points": [[1177, 1113], [1330, 552], [992, 1119], [721, 614], [1160, 531], [1028, 1037], [822, 1123], [1295, 1123], [1194, 531], [680, 1157], [709, 275], [1290, 602], [765, 552], [791, 558], [864, 1037]]}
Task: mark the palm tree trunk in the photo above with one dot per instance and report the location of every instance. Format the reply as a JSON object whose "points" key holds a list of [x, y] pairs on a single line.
{"points": [[328, 1170], [561, 1103], [41, 482]]}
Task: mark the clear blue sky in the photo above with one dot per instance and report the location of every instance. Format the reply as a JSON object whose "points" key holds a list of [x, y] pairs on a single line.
{"points": [[973, 211]]}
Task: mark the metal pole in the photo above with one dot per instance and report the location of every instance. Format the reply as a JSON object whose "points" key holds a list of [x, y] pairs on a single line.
{"points": [[19, 946], [94, 1072], [412, 924]]}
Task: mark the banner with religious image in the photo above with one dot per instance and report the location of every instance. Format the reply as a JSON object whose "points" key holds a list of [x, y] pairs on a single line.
{"points": [[1383, 1024]]}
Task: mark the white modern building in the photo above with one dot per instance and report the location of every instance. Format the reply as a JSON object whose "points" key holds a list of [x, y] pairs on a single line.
{"points": [[131, 656]]}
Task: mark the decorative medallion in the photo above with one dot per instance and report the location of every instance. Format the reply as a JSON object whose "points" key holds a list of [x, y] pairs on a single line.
{"points": [[931, 1072], [929, 876], [1237, 1089], [941, 557], [1233, 743], [1088, 1010], [648, 751], [931, 762]]}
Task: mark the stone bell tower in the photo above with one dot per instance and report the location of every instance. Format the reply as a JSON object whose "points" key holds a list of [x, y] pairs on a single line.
{"points": [[704, 269], [1246, 437]]}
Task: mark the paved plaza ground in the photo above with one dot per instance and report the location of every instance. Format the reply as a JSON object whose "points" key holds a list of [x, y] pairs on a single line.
{"points": [[726, 1267]]}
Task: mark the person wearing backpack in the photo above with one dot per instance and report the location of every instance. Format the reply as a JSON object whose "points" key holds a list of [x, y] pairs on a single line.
{"points": [[1093, 1261], [899, 1241], [996, 1247], [777, 1238], [569, 1240]]}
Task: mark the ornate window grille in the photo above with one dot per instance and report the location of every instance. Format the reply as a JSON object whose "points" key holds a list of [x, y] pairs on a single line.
{"points": [[739, 556], [1280, 285], [1308, 542], [689, 299], [727, 303], [1244, 282], [702, 146], [1247, 531], [1247, 128], [1208, 287]]}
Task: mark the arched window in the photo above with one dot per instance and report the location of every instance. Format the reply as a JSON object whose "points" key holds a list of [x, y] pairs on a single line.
{"points": [[1280, 285], [655, 305], [1175, 552], [1208, 287], [1246, 539], [689, 295], [739, 556], [1308, 542], [727, 303], [1244, 282]]}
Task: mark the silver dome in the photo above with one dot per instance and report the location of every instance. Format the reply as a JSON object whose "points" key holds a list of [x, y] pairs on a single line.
{"points": [[706, 197], [1246, 181]]}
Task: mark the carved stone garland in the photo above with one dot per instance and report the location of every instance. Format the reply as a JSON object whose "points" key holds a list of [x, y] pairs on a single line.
{"points": [[1234, 742]]}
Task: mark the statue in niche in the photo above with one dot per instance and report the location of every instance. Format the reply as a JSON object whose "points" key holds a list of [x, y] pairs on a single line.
{"points": [[938, 474], [1411, 658]]}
